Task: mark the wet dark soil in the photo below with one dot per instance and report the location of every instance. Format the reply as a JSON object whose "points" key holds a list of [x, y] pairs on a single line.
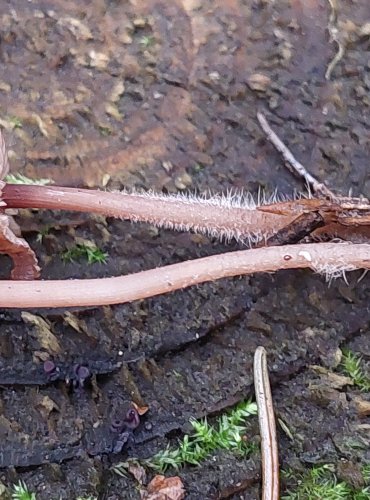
{"points": [[163, 95]]}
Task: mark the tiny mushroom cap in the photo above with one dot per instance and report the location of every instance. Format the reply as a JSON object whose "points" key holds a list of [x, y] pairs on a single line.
{"points": [[132, 419], [49, 366]]}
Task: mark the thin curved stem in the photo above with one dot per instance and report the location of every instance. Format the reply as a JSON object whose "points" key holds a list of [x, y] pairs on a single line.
{"points": [[289, 159], [329, 258], [266, 419]]}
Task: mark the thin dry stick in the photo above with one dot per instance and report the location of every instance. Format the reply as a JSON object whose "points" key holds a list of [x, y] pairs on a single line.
{"points": [[4, 164], [334, 37], [266, 420], [330, 258], [297, 167]]}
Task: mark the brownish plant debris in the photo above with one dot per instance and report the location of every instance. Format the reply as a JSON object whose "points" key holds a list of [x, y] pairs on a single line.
{"points": [[24, 259], [164, 488]]}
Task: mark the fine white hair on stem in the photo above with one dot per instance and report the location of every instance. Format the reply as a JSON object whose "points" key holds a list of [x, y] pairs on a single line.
{"points": [[234, 215], [362, 275], [334, 271], [104, 291], [232, 198]]}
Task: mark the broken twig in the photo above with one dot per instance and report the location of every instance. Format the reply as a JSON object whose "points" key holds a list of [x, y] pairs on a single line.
{"points": [[334, 37], [266, 419], [4, 163], [295, 165]]}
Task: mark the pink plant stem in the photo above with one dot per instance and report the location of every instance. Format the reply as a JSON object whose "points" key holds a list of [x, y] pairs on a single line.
{"points": [[322, 257], [207, 216]]}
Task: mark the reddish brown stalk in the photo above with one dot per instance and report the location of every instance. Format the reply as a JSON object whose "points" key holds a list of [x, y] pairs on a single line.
{"points": [[212, 216], [330, 258]]}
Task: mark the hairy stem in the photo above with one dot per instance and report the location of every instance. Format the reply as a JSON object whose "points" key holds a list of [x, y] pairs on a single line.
{"points": [[329, 258], [224, 217]]}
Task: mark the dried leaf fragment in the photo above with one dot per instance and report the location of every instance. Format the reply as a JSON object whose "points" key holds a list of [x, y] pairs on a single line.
{"points": [[46, 405], [164, 488], [117, 90], [112, 110], [331, 379], [45, 125], [78, 29], [24, 259], [138, 472], [362, 406], [5, 87], [140, 409], [365, 29], [98, 60], [259, 82], [46, 338]]}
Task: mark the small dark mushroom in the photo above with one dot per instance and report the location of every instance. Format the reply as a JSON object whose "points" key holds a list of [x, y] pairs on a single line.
{"points": [[49, 367], [132, 419], [117, 425], [51, 370], [81, 373]]}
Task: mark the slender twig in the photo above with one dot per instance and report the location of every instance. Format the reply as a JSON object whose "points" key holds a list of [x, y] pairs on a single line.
{"points": [[266, 420], [334, 37], [330, 258], [290, 160], [4, 162]]}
